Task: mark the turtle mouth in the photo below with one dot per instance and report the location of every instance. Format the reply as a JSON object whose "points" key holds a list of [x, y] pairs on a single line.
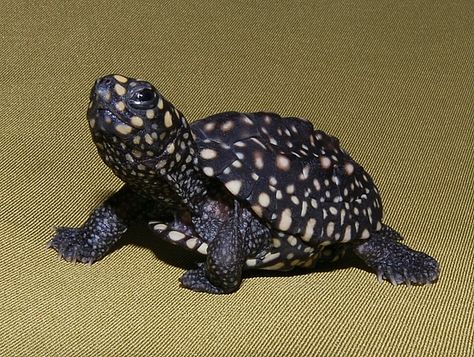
{"points": [[111, 122]]}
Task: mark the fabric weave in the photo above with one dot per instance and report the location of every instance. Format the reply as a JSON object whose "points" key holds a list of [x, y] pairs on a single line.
{"points": [[393, 80]]}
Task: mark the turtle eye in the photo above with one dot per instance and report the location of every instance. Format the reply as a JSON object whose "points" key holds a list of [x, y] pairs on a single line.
{"points": [[145, 98]]}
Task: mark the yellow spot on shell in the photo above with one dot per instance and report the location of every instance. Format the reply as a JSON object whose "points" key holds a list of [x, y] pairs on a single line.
{"points": [[209, 171], [264, 199], [325, 162], [285, 220], [258, 210], [234, 186], [276, 266], [282, 162], [365, 234], [347, 235], [208, 154], [309, 230], [168, 120]]}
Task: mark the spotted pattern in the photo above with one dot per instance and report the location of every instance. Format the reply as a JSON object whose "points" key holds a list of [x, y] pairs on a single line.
{"points": [[299, 180], [249, 190]]}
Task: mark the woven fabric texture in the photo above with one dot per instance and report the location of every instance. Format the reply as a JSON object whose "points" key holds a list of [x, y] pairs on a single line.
{"points": [[392, 79]]}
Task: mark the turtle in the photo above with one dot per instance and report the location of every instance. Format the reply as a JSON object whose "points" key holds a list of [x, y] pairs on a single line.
{"points": [[245, 190]]}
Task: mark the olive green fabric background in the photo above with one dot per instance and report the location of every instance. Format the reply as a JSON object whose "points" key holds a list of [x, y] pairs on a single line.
{"points": [[394, 80]]}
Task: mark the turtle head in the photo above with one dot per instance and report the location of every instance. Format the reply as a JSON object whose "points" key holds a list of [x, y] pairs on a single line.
{"points": [[128, 115]]}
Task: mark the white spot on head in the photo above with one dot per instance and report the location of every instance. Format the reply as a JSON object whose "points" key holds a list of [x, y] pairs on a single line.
{"points": [[150, 114], [119, 89], [136, 121], [168, 119], [123, 129], [120, 78], [160, 103], [290, 189], [120, 106]]}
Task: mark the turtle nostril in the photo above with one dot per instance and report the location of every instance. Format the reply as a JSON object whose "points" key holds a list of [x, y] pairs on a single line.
{"points": [[104, 82]]}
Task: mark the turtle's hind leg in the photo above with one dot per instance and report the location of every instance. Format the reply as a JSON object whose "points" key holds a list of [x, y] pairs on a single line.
{"points": [[394, 261]]}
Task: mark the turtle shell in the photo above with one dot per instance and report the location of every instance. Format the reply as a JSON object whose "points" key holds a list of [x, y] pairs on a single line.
{"points": [[296, 178]]}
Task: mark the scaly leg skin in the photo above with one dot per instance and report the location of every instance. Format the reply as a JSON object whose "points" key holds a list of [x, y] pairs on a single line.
{"points": [[104, 227], [222, 272], [395, 262]]}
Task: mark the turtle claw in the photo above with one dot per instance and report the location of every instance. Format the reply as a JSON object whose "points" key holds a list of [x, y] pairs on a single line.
{"points": [[72, 246], [397, 263]]}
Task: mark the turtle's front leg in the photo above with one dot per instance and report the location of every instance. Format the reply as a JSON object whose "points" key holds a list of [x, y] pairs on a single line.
{"points": [[104, 227], [222, 272]]}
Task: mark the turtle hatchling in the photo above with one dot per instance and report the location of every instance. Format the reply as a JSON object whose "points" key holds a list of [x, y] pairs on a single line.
{"points": [[246, 190]]}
